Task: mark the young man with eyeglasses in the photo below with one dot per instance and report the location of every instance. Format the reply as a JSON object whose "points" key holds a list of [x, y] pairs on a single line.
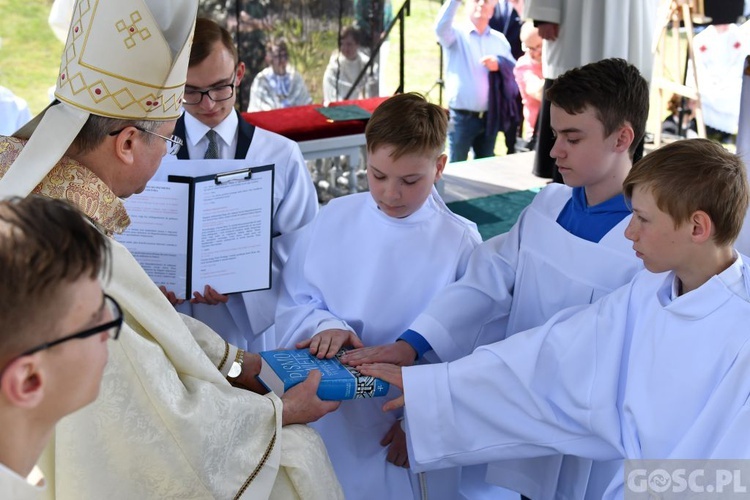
{"points": [[53, 316], [214, 72]]}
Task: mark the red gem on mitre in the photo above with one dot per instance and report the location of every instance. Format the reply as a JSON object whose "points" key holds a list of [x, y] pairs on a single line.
{"points": [[75, 30], [148, 103], [62, 76], [98, 91], [132, 30], [156, 103]]}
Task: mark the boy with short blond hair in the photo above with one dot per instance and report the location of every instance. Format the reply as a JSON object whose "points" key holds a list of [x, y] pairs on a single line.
{"points": [[566, 249], [55, 321], [656, 370], [695, 175], [363, 269]]}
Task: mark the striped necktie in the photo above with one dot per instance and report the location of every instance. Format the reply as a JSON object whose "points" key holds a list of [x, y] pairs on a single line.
{"points": [[212, 153]]}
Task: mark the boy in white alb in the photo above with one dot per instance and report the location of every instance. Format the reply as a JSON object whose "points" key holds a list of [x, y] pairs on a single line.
{"points": [[53, 316], [364, 268], [566, 249], [658, 369]]}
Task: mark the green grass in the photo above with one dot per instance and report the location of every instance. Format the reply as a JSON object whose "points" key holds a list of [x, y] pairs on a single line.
{"points": [[30, 53], [422, 53]]}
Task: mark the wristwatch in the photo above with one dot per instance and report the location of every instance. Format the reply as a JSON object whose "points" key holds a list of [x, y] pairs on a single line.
{"points": [[236, 369]]}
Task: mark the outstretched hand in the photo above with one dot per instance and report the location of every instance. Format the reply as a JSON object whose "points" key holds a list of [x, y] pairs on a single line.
{"points": [[327, 343], [302, 404], [398, 353], [392, 375]]}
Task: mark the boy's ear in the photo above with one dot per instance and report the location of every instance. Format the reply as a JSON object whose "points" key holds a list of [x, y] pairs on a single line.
{"points": [[625, 137], [702, 226], [22, 383], [440, 163]]}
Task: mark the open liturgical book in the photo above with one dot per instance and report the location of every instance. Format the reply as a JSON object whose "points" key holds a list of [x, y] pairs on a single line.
{"points": [[283, 369], [204, 222]]}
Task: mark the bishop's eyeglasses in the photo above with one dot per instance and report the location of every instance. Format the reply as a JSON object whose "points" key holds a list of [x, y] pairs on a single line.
{"points": [[174, 143]]}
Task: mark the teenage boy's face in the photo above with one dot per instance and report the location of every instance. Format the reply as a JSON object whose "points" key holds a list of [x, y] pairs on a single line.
{"points": [[216, 70], [400, 187], [584, 156], [656, 241]]}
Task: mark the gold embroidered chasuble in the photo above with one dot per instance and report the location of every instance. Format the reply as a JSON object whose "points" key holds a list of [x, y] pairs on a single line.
{"points": [[167, 424]]}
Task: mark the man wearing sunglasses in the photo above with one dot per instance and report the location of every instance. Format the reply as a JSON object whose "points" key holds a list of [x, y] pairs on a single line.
{"points": [[211, 127], [53, 316]]}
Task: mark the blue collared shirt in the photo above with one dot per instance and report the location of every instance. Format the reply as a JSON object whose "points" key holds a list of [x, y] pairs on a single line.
{"points": [[591, 222], [588, 222], [466, 80]]}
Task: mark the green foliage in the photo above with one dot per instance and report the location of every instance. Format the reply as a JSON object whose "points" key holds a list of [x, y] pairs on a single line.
{"points": [[309, 50], [30, 53]]}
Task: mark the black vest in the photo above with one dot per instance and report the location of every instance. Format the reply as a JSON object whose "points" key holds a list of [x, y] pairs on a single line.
{"points": [[244, 137]]}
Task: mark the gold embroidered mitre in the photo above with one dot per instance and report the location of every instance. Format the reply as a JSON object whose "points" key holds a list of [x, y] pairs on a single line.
{"points": [[117, 63], [123, 59]]}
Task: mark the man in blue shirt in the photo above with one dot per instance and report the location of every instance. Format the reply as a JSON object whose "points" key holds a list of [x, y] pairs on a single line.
{"points": [[472, 49]]}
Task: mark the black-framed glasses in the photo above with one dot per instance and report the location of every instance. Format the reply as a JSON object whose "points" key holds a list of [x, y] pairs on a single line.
{"points": [[111, 327], [174, 143], [216, 94]]}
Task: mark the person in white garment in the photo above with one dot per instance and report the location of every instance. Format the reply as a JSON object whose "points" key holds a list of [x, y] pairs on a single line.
{"points": [[579, 32], [53, 314], [14, 112], [214, 73], [278, 85], [656, 370], [720, 51], [343, 69], [361, 272], [567, 247], [743, 142], [167, 422]]}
